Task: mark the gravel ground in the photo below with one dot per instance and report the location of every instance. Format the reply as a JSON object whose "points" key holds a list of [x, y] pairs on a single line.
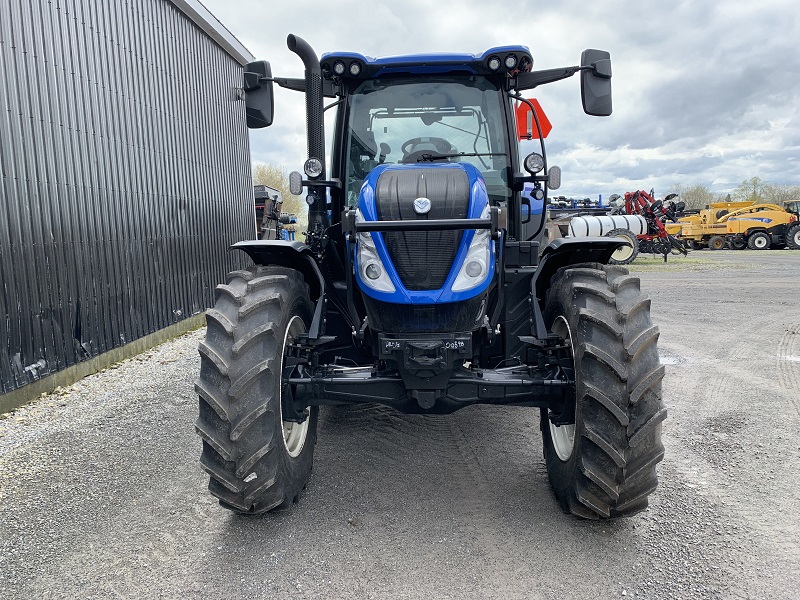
{"points": [[101, 494]]}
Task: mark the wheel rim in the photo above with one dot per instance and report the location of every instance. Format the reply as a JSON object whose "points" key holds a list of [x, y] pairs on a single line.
{"points": [[760, 242], [622, 253], [796, 238], [294, 434], [563, 436]]}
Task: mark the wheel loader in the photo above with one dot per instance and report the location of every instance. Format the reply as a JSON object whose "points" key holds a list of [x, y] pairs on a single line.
{"points": [[423, 284]]}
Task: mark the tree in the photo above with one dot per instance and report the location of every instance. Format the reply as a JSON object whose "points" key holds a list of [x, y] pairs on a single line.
{"points": [[776, 194], [695, 196], [276, 177], [750, 190]]}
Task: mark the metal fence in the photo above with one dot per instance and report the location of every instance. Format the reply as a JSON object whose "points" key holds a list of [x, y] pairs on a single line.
{"points": [[125, 177]]}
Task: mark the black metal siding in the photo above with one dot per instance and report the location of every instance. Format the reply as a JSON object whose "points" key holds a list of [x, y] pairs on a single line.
{"points": [[125, 177]]}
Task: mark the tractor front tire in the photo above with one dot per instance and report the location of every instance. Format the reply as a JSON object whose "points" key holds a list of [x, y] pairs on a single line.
{"points": [[759, 240], [604, 465], [793, 237], [624, 254], [716, 242], [256, 461]]}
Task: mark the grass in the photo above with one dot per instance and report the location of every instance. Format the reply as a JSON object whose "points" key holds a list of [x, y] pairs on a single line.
{"points": [[675, 263]]}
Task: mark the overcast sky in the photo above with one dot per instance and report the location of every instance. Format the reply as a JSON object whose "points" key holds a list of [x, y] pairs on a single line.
{"points": [[705, 92]]}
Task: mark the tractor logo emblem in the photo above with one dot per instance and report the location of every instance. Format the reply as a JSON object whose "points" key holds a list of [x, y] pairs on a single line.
{"points": [[422, 206]]}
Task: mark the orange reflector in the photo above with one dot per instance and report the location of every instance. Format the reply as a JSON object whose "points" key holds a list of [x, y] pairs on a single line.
{"points": [[526, 123]]}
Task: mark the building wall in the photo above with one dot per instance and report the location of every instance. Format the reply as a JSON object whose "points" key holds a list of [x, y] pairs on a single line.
{"points": [[125, 177]]}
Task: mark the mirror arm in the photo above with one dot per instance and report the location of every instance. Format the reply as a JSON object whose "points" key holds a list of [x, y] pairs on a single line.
{"points": [[298, 85], [329, 90], [528, 81]]}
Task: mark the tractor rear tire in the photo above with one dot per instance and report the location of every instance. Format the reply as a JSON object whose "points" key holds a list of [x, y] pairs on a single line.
{"points": [[793, 237], [759, 240], [256, 461], [604, 465], [624, 254], [716, 242]]}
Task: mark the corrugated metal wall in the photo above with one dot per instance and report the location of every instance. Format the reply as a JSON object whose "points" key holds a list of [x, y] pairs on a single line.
{"points": [[125, 177]]}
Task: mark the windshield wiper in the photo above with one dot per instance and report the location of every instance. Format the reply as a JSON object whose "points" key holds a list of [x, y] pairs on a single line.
{"points": [[433, 157]]}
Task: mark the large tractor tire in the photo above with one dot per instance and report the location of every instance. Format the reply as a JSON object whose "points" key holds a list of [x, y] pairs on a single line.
{"points": [[793, 237], [604, 465], [716, 242], [624, 254], [759, 240], [256, 461]]}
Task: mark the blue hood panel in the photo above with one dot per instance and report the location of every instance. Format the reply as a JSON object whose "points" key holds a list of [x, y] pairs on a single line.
{"points": [[478, 201]]}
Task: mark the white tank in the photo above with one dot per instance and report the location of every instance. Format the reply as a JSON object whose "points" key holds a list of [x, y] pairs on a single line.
{"points": [[599, 226]]}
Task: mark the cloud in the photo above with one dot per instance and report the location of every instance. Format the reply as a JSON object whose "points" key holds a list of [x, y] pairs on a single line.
{"points": [[704, 91]]}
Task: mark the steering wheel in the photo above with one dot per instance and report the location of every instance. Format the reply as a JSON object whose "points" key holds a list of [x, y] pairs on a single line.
{"points": [[440, 146]]}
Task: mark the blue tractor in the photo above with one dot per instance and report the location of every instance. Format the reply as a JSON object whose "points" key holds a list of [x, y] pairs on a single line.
{"points": [[423, 285]]}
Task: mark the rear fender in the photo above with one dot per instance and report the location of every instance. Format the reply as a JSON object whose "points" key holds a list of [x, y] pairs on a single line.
{"points": [[563, 253], [294, 255]]}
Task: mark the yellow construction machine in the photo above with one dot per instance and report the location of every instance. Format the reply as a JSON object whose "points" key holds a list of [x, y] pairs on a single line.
{"points": [[762, 226], [740, 225], [704, 230]]}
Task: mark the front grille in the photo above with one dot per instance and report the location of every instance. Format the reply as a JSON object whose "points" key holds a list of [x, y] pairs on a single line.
{"points": [[422, 258], [448, 317]]}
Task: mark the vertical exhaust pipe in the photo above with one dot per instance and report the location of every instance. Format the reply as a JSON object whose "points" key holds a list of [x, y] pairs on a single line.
{"points": [[315, 125]]}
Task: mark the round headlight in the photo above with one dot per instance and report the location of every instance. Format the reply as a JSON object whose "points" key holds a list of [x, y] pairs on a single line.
{"points": [[313, 167], [494, 63], [474, 268], [534, 163], [338, 67], [310, 199], [355, 69], [373, 271], [511, 61]]}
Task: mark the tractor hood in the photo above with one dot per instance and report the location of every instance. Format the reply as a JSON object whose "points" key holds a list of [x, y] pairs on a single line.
{"points": [[424, 267]]}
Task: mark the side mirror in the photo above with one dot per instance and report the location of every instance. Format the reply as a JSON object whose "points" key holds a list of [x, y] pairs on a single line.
{"points": [[259, 100], [596, 83]]}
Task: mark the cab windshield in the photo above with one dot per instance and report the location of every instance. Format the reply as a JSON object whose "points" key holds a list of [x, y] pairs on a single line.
{"points": [[405, 120]]}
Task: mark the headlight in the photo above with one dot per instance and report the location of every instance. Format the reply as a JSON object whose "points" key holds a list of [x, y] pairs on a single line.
{"points": [[370, 267], [534, 163], [338, 67], [475, 269], [313, 167], [494, 63], [355, 69]]}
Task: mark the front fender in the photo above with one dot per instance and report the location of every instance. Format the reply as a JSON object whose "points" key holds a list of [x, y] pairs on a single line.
{"points": [[292, 254], [561, 253]]}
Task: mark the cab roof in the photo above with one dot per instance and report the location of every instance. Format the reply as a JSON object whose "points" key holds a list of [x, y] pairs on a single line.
{"points": [[494, 61]]}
